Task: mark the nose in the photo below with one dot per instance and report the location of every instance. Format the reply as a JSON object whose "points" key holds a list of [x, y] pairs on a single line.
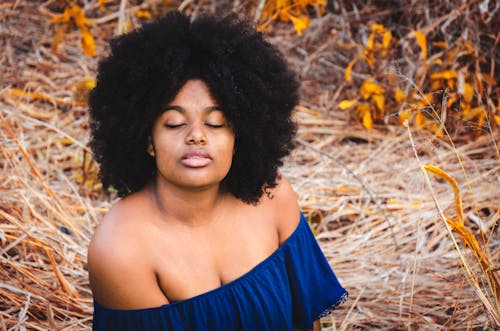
{"points": [[196, 135]]}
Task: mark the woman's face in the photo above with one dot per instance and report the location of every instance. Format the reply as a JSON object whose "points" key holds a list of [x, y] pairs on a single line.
{"points": [[192, 141]]}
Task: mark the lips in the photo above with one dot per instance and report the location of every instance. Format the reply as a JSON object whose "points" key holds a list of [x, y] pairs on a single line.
{"points": [[196, 159]]}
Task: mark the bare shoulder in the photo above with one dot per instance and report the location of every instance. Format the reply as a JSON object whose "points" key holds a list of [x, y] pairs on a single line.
{"points": [[120, 272], [285, 208]]}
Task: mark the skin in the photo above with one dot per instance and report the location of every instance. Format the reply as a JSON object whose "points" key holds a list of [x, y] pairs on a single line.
{"points": [[182, 235]]}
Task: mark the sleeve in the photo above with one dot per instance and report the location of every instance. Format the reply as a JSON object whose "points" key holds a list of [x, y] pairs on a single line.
{"points": [[314, 287], [146, 319]]}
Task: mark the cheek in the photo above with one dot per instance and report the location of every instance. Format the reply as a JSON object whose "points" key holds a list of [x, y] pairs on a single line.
{"points": [[226, 151], [165, 151], [229, 151]]}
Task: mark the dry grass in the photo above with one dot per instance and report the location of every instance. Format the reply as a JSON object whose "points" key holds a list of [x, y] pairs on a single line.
{"points": [[364, 191]]}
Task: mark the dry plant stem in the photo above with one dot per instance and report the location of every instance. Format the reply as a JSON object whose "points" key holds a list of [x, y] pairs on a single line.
{"points": [[445, 18], [121, 18], [116, 15], [361, 182], [471, 278], [359, 295], [183, 6], [448, 136], [456, 304], [494, 139], [258, 11], [415, 261], [413, 288], [47, 125]]}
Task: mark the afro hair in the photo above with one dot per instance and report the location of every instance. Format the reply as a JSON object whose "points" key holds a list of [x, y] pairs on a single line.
{"points": [[146, 68]]}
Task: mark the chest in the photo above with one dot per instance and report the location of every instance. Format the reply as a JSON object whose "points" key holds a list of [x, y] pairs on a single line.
{"points": [[189, 263]]}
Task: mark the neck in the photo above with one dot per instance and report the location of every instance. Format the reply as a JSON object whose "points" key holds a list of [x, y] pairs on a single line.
{"points": [[190, 207]]}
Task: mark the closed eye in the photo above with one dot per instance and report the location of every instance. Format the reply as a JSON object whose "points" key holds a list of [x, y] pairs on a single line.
{"points": [[174, 126], [214, 126]]}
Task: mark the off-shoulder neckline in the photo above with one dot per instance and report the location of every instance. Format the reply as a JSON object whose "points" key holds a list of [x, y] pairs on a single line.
{"points": [[221, 288]]}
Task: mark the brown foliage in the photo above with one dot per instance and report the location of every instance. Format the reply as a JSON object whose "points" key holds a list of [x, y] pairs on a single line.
{"points": [[363, 191]]}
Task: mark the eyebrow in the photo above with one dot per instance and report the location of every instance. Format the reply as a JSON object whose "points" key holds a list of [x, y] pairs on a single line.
{"points": [[182, 110]]}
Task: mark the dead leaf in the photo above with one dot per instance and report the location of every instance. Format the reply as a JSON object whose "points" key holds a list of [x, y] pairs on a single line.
{"points": [[346, 104], [422, 42], [369, 87]]}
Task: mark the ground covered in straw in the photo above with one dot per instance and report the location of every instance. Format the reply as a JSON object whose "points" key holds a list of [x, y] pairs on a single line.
{"points": [[365, 193]]}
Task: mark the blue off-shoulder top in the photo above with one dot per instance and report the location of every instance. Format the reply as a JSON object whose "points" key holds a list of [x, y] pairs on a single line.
{"points": [[291, 288]]}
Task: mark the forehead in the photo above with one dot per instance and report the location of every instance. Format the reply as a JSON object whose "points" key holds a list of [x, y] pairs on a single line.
{"points": [[173, 109], [193, 91]]}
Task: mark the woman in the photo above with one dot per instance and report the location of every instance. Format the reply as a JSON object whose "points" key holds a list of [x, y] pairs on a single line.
{"points": [[190, 121]]}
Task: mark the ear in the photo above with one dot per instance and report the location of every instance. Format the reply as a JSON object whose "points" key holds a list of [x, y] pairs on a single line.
{"points": [[151, 148]]}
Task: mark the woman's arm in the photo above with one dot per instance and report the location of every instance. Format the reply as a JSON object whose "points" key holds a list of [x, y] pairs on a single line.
{"points": [[120, 273], [286, 206]]}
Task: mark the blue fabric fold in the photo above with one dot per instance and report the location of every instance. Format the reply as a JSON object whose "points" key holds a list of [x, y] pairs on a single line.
{"points": [[291, 288]]}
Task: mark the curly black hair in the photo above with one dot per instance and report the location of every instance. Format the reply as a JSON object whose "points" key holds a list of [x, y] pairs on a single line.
{"points": [[146, 68]]}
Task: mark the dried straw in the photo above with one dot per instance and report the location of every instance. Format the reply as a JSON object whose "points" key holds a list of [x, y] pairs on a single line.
{"points": [[363, 192]]}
